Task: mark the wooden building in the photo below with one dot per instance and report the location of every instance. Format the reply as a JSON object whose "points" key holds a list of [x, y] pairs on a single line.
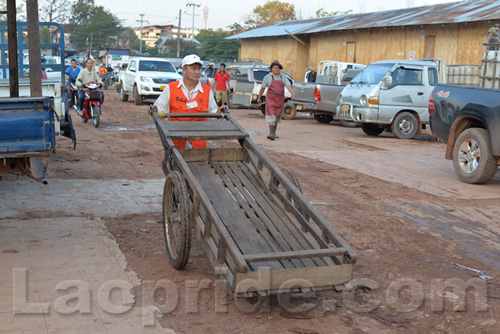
{"points": [[454, 32]]}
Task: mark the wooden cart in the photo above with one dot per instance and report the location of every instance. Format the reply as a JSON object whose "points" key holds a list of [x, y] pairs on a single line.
{"points": [[258, 229]]}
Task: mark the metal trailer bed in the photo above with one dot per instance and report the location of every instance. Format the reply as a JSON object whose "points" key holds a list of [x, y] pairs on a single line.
{"points": [[259, 231]]}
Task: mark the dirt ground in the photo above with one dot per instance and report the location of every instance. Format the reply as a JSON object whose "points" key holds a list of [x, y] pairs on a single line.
{"points": [[406, 242]]}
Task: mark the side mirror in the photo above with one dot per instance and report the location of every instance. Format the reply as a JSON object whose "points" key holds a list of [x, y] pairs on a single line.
{"points": [[388, 81]]}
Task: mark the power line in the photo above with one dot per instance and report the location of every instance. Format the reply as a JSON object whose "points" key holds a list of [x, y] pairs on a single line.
{"points": [[194, 5]]}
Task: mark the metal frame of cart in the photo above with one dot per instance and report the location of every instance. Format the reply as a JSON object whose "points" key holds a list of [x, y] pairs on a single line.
{"points": [[258, 229]]}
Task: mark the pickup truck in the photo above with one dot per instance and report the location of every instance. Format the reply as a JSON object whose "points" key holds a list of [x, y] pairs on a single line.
{"points": [[392, 95], [468, 119], [321, 97], [245, 85], [145, 78]]}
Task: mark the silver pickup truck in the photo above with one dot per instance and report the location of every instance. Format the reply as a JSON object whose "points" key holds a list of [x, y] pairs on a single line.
{"points": [[321, 98]]}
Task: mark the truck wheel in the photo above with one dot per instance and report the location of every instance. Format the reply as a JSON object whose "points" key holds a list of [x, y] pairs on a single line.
{"points": [[323, 118], [123, 96], [404, 125], [348, 124], [289, 112], [230, 102], [472, 157], [372, 129], [137, 97]]}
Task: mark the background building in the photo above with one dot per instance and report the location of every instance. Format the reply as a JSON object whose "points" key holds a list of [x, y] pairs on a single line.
{"points": [[453, 32], [151, 33]]}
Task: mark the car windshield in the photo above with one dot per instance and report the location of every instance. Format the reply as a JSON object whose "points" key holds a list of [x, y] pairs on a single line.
{"points": [[372, 74], [260, 74], [156, 66]]}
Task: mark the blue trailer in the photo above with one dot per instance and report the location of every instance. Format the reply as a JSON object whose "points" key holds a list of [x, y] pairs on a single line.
{"points": [[29, 124], [27, 135]]}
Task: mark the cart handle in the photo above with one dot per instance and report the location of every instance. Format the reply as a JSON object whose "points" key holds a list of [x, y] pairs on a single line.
{"points": [[195, 115]]}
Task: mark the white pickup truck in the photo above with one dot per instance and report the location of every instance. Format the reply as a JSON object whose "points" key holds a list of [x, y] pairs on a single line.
{"points": [[145, 78]]}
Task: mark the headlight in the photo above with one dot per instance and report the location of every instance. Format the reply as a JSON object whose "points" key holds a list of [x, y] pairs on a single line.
{"points": [[340, 100], [146, 79], [363, 100]]}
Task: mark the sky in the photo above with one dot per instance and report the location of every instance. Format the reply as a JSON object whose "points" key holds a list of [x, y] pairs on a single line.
{"points": [[222, 13]]}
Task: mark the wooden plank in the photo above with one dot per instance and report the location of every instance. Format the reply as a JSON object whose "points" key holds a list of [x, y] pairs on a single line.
{"points": [[241, 196], [283, 223], [307, 277], [175, 126], [275, 219], [240, 229], [241, 266], [180, 135], [295, 254], [306, 207], [213, 154]]}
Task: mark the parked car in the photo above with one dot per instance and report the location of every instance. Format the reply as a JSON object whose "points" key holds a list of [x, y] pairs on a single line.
{"points": [[468, 119], [392, 95], [321, 97], [145, 78]]}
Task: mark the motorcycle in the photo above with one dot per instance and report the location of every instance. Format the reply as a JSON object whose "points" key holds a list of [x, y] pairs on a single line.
{"points": [[73, 95], [105, 80], [92, 103]]}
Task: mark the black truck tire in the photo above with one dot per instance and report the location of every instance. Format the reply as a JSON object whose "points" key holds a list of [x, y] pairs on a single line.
{"points": [[123, 96], [372, 129], [137, 97], [323, 118], [404, 125], [473, 159]]}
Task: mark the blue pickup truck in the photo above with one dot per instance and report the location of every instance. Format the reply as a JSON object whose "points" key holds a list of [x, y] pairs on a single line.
{"points": [[468, 119], [27, 135], [29, 125]]}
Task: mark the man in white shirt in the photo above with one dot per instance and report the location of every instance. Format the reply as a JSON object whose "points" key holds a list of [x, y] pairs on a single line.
{"points": [[187, 95]]}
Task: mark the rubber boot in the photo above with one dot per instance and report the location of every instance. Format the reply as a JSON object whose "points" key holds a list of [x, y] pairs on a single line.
{"points": [[272, 132], [276, 129]]}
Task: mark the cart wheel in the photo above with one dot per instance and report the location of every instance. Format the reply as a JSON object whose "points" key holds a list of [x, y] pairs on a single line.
{"points": [[176, 227], [291, 176]]}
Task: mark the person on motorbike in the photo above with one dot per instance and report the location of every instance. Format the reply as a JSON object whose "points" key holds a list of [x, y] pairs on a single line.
{"points": [[86, 75], [103, 73], [71, 74]]}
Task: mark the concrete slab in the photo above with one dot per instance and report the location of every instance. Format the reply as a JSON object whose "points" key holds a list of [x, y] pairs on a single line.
{"points": [[415, 164], [80, 197], [67, 275]]}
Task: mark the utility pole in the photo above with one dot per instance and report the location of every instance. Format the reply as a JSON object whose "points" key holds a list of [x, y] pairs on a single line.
{"points": [[142, 21], [179, 35], [194, 5]]}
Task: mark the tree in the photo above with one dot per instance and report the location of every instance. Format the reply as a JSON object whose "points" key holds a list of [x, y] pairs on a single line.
{"points": [[271, 12], [322, 13], [20, 9], [100, 25], [54, 10], [169, 48], [215, 46]]}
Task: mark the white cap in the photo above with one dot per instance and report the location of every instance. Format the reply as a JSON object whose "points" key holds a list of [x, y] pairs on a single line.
{"points": [[191, 59]]}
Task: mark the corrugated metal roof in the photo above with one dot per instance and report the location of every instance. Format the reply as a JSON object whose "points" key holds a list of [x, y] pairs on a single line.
{"points": [[456, 12]]}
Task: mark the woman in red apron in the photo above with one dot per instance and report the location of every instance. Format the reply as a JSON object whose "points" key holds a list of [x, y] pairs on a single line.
{"points": [[275, 97]]}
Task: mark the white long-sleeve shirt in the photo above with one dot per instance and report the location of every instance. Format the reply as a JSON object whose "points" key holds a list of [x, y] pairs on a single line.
{"points": [[163, 101]]}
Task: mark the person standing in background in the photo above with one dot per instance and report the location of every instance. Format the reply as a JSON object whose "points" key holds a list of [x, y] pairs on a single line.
{"points": [[275, 97], [221, 86]]}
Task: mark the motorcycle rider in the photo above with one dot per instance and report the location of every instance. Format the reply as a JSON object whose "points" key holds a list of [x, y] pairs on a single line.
{"points": [[86, 75], [71, 74]]}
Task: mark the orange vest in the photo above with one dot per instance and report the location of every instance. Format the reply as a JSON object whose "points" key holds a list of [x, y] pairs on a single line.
{"points": [[178, 104]]}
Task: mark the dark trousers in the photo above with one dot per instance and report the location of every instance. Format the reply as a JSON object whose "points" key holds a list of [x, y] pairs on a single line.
{"points": [[81, 99]]}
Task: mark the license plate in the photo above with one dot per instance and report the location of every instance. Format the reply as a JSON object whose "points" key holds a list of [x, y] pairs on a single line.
{"points": [[162, 88], [299, 107], [346, 108]]}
